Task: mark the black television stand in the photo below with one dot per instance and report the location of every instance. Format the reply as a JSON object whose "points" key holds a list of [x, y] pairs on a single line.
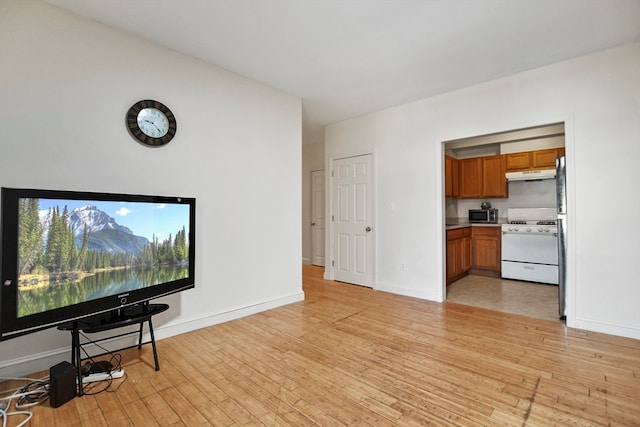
{"points": [[126, 316]]}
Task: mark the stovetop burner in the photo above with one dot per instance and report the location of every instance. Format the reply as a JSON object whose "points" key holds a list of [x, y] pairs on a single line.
{"points": [[532, 216], [531, 222]]}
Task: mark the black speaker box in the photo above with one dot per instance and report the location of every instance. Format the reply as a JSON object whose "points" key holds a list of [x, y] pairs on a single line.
{"points": [[62, 383]]}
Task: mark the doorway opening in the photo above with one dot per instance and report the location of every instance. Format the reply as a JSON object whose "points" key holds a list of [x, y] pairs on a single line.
{"points": [[475, 179]]}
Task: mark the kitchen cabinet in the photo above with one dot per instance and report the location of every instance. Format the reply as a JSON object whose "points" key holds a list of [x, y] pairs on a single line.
{"points": [[470, 178], [517, 161], [482, 177], [458, 253], [494, 182], [544, 159], [486, 249], [531, 160], [451, 177]]}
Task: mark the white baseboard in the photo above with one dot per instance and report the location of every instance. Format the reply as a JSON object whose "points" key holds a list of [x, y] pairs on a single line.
{"points": [[605, 328], [177, 328], [26, 365], [405, 292]]}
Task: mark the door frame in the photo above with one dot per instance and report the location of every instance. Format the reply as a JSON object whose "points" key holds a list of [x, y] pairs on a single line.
{"points": [[569, 145], [329, 268], [311, 203]]}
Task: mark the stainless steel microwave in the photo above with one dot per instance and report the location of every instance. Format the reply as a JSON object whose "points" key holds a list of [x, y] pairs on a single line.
{"points": [[489, 216]]}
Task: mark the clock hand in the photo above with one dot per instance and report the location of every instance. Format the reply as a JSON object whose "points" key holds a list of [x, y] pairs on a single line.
{"points": [[154, 125]]}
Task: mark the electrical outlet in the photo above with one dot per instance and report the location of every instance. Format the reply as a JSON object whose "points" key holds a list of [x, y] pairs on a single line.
{"points": [[404, 267]]}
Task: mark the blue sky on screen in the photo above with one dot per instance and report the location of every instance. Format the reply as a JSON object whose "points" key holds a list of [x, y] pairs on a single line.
{"points": [[143, 219]]}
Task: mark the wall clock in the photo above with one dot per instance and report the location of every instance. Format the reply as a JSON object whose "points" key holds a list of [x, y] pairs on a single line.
{"points": [[151, 123]]}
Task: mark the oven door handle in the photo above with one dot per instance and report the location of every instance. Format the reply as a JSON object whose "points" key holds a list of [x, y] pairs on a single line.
{"points": [[530, 234]]}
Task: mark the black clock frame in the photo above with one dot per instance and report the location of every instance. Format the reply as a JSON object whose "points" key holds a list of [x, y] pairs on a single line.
{"points": [[136, 132]]}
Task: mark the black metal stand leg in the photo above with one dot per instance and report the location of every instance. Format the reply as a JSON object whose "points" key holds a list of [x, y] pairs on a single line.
{"points": [[140, 335], [153, 344], [73, 347], [75, 357]]}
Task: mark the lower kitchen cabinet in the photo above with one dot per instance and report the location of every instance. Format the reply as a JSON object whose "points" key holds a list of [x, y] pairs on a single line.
{"points": [[458, 253], [486, 249]]}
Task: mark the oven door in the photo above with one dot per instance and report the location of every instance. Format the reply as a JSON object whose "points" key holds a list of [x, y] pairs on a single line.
{"points": [[535, 248], [530, 257]]}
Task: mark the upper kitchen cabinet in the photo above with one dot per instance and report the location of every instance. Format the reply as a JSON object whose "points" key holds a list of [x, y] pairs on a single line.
{"points": [[518, 161], [528, 160], [451, 177], [494, 182], [482, 177], [545, 159], [470, 178]]}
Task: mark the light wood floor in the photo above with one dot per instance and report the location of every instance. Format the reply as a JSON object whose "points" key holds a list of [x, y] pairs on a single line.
{"points": [[349, 355]]}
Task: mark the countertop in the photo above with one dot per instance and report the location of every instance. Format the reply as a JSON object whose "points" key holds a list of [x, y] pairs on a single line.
{"points": [[453, 223]]}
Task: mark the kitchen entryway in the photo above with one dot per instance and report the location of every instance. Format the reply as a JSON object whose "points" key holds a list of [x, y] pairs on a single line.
{"points": [[510, 296]]}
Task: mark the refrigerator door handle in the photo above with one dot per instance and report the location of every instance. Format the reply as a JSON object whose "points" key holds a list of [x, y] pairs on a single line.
{"points": [[562, 266], [561, 185]]}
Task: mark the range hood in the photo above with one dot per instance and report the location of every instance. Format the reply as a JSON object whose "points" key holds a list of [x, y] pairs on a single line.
{"points": [[535, 175]]}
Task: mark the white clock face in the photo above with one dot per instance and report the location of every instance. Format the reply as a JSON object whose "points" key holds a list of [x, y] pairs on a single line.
{"points": [[153, 122]]}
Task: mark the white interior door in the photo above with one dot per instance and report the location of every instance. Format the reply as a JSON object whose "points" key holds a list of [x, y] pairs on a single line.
{"points": [[317, 218], [353, 220]]}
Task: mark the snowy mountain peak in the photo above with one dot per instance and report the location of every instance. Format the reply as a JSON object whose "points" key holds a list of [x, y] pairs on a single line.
{"points": [[94, 219]]}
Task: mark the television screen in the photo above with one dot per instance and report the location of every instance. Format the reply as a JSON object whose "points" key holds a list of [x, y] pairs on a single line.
{"points": [[68, 255]]}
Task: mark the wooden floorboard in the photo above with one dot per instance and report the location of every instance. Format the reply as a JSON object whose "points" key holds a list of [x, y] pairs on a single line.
{"points": [[349, 355]]}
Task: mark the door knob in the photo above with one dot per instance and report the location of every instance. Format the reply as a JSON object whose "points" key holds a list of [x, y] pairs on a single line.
{"points": [[313, 224], [368, 229]]}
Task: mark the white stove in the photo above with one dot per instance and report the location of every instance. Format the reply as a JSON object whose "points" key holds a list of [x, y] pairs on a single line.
{"points": [[530, 245]]}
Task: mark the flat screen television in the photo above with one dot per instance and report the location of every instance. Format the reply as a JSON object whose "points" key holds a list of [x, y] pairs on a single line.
{"points": [[67, 255]]}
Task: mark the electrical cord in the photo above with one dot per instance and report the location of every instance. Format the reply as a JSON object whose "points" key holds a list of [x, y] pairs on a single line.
{"points": [[33, 393], [5, 417], [33, 396], [36, 391], [104, 385]]}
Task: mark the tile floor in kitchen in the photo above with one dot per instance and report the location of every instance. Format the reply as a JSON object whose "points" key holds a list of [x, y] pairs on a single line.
{"points": [[511, 296]]}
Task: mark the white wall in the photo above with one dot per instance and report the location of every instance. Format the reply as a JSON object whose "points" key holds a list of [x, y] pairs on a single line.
{"points": [[598, 98], [66, 84]]}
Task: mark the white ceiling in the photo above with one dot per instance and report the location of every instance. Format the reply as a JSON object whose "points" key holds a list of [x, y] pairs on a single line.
{"points": [[345, 58]]}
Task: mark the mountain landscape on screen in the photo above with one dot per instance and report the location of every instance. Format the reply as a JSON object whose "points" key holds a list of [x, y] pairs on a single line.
{"points": [[104, 233]]}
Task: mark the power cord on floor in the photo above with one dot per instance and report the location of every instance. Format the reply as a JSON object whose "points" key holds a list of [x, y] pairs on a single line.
{"points": [[36, 391], [104, 385], [33, 393]]}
